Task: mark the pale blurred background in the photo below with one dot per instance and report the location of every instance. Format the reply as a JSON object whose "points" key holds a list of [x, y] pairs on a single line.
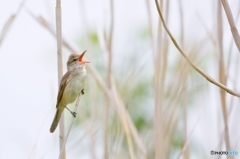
{"points": [[192, 108]]}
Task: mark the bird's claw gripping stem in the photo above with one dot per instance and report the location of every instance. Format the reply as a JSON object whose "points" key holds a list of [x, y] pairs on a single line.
{"points": [[82, 91]]}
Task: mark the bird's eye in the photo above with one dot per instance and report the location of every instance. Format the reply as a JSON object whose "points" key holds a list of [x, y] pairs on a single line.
{"points": [[74, 59]]}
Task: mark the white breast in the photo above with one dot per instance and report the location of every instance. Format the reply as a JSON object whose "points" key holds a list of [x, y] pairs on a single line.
{"points": [[75, 85]]}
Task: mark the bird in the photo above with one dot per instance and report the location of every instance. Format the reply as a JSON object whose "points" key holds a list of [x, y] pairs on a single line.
{"points": [[71, 85]]}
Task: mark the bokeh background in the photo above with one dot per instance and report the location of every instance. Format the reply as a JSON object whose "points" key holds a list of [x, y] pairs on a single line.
{"points": [[157, 105]]}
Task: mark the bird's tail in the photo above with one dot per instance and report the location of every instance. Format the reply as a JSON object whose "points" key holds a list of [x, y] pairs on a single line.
{"points": [[56, 119]]}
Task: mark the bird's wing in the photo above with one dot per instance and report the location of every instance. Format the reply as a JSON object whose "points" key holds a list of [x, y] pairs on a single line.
{"points": [[62, 87]]}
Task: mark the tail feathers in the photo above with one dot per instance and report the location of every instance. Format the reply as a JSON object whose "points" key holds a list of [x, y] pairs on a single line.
{"points": [[56, 119]]}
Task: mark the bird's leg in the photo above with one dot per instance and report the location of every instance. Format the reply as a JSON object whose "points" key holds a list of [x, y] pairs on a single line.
{"points": [[73, 113], [82, 91]]}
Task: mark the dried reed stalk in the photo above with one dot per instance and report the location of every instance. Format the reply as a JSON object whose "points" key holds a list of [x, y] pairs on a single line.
{"points": [[161, 63], [10, 21], [60, 73], [222, 75], [233, 27], [108, 43]]}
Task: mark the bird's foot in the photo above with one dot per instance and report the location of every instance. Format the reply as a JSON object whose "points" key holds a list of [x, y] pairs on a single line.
{"points": [[74, 114], [82, 91]]}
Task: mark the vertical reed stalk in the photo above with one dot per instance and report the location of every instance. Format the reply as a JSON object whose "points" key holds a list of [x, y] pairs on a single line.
{"points": [[185, 86], [109, 84], [222, 76], [60, 71], [160, 72]]}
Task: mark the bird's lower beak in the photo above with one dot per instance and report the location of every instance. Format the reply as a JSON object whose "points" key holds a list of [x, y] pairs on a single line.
{"points": [[85, 62], [80, 59]]}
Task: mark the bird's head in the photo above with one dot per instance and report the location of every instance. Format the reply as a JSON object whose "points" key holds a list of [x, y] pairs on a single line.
{"points": [[76, 61]]}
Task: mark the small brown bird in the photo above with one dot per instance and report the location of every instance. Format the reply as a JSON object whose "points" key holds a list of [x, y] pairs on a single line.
{"points": [[71, 85]]}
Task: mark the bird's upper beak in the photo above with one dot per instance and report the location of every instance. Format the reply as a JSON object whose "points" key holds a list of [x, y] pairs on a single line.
{"points": [[80, 59]]}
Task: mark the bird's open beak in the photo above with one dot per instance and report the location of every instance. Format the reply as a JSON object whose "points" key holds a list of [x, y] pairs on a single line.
{"points": [[80, 59]]}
